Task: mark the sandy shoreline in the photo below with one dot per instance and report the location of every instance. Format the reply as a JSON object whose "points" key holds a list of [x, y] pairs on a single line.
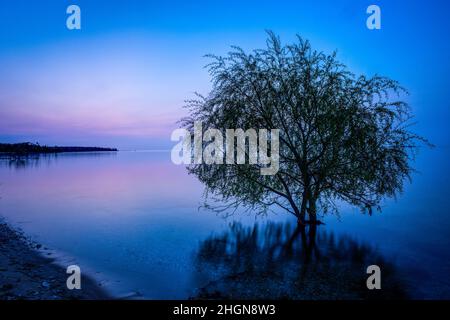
{"points": [[30, 274]]}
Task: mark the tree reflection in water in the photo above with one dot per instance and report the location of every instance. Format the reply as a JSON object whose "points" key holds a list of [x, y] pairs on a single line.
{"points": [[285, 261]]}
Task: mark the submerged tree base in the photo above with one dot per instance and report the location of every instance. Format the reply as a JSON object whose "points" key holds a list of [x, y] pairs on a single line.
{"points": [[309, 222]]}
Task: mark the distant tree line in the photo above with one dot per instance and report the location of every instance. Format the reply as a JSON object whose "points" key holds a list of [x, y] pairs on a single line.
{"points": [[26, 148]]}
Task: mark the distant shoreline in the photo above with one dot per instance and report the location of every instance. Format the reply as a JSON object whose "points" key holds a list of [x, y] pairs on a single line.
{"points": [[27, 148]]}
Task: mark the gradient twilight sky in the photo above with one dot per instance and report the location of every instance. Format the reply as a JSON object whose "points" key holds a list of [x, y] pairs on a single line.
{"points": [[121, 80]]}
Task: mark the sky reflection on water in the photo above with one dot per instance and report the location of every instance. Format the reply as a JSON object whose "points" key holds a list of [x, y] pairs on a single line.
{"points": [[132, 219]]}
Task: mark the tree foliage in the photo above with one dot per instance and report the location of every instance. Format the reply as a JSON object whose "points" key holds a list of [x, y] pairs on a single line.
{"points": [[342, 137]]}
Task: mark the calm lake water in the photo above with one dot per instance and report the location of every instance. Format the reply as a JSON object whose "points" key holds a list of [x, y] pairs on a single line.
{"points": [[131, 219]]}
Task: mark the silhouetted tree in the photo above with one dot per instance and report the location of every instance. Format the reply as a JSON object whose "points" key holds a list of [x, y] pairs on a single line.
{"points": [[342, 137]]}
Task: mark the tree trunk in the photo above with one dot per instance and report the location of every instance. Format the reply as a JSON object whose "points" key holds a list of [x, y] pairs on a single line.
{"points": [[312, 211], [303, 208], [298, 214], [301, 218]]}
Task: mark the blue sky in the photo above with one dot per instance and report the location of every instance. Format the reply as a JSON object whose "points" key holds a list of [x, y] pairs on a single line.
{"points": [[121, 80]]}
